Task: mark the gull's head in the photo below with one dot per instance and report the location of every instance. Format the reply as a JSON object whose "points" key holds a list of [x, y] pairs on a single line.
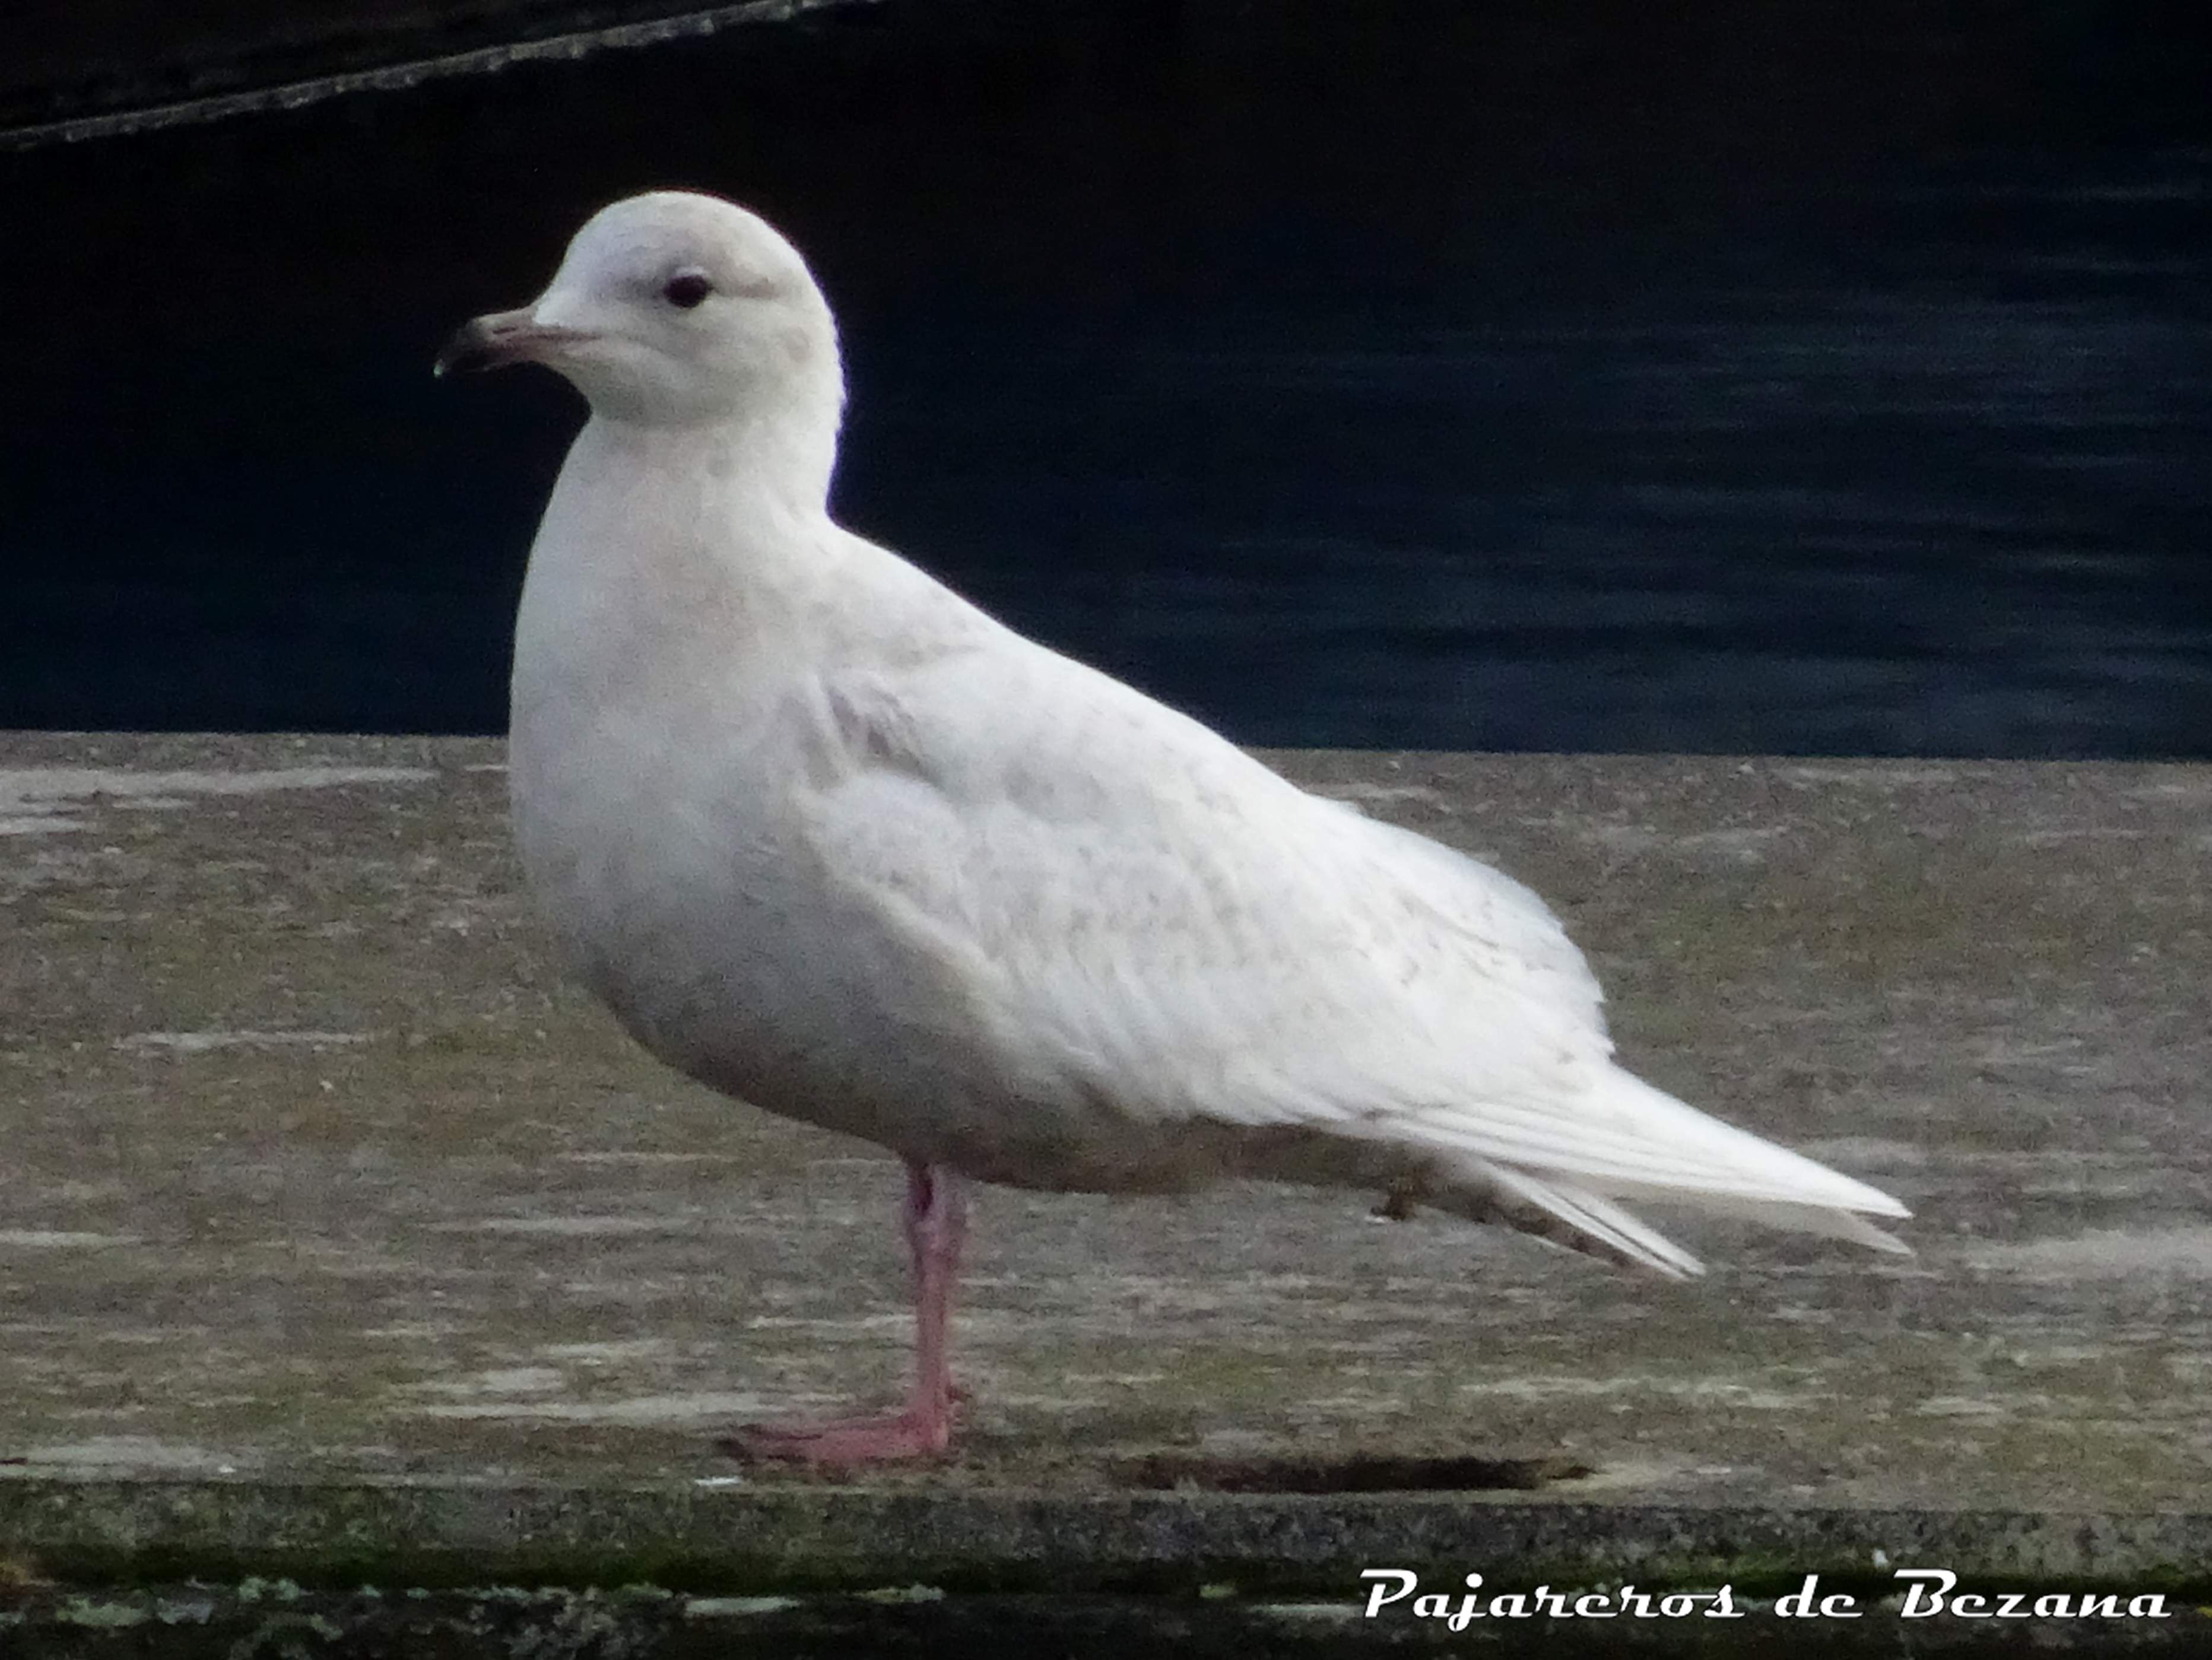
{"points": [[675, 309]]}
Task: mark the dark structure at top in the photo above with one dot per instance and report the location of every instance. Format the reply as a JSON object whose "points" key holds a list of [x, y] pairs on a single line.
{"points": [[75, 72]]}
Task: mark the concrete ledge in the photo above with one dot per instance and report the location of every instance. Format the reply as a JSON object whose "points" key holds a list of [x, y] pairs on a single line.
{"points": [[342, 1240]]}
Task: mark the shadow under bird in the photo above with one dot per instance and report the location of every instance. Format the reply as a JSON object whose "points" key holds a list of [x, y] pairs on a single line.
{"points": [[830, 839]]}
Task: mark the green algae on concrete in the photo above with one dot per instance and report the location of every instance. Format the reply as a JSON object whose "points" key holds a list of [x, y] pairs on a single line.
{"points": [[824, 1538]]}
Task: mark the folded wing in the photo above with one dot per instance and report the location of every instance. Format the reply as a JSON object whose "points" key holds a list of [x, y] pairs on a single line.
{"points": [[1147, 921]]}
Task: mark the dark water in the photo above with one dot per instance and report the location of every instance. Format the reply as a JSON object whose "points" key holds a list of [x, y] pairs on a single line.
{"points": [[1580, 381]]}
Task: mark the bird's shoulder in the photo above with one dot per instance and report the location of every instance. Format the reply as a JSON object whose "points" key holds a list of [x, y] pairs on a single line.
{"points": [[913, 680]]}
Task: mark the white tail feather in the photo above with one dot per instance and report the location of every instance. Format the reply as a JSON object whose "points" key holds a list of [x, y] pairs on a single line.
{"points": [[1564, 1190], [1793, 1219], [1566, 1216]]}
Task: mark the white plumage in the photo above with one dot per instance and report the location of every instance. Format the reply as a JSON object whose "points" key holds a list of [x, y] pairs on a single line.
{"points": [[831, 839]]}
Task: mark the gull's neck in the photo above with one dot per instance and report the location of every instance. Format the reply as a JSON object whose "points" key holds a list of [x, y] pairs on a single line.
{"points": [[774, 463], [663, 544]]}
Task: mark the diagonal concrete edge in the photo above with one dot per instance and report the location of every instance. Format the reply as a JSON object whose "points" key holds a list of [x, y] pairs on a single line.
{"points": [[389, 55]]}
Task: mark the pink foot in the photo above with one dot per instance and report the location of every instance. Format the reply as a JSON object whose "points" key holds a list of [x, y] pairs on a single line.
{"points": [[912, 1434], [936, 1224]]}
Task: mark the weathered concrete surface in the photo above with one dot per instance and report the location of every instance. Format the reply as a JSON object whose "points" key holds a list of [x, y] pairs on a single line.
{"points": [[312, 1168]]}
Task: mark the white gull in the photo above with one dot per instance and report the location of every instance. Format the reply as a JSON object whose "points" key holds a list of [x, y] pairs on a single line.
{"points": [[830, 839]]}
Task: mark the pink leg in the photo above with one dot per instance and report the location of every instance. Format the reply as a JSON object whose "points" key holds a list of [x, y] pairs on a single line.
{"points": [[936, 1226]]}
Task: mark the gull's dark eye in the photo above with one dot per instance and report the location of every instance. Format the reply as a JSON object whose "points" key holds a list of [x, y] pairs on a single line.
{"points": [[686, 290]]}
